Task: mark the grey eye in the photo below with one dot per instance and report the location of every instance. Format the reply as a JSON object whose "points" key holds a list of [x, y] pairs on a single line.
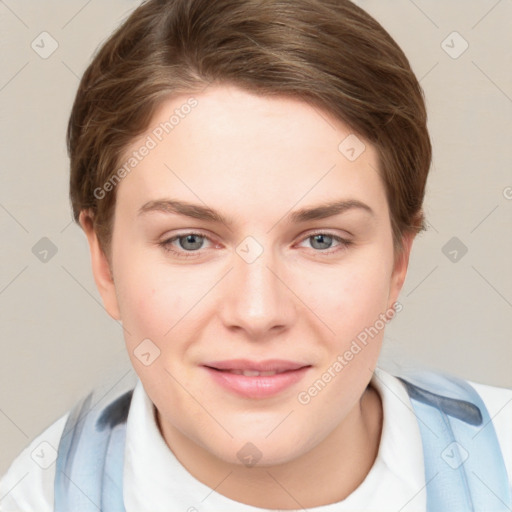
{"points": [[191, 242], [324, 241]]}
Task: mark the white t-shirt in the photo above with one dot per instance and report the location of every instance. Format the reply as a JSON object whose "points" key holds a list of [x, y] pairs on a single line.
{"points": [[154, 480]]}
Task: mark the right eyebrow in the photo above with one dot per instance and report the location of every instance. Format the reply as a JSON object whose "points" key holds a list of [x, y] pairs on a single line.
{"points": [[195, 211]]}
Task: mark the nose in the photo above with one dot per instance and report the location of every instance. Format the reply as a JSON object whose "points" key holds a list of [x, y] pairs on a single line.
{"points": [[257, 299]]}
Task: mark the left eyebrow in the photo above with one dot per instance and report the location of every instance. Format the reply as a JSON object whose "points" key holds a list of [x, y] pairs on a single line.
{"points": [[200, 212], [330, 209]]}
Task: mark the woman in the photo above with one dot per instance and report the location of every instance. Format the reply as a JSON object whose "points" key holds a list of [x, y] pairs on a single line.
{"points": [[250, 178]]}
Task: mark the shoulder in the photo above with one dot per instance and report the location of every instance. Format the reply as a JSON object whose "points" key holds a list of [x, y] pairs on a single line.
{"points": [[28, 483], [498, 402]]}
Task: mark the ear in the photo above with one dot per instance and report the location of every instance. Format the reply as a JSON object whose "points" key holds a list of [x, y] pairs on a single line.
{"points": [[400, 266], [100, 267]]}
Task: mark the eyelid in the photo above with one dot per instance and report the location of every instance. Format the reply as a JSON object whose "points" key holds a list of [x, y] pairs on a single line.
{"points": [[344, 243], [328, 232], [166, 244], [166, 240]]}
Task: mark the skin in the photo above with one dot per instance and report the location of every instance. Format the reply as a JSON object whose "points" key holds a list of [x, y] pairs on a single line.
{"points": [[255, 159]]}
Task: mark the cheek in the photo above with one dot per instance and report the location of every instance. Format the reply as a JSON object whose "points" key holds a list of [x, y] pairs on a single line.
{"points": [[150, 303], [351, 296]]}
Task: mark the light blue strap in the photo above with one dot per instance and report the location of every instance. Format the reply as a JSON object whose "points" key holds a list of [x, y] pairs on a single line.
{"points": [[112, 491], [90, 457], [464, 466]]}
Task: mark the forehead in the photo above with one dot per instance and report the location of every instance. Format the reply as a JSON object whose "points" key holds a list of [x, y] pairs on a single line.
{"points": [[228, 146]]}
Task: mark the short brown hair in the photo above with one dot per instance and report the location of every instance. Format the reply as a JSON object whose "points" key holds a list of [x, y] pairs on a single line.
{"points": [[329, 53]]}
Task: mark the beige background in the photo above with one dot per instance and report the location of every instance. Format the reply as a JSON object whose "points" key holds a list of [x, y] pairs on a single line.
{"points": [[56, 339]]}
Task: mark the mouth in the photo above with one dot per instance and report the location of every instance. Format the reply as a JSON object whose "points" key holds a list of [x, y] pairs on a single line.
{"points": [[256, 380]]}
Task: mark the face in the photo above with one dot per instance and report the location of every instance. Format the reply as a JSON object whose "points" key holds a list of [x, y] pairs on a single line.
{"points": [[259, 280]]}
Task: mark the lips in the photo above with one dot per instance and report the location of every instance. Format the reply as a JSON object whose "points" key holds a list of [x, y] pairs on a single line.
{"points": [[256, 379]]}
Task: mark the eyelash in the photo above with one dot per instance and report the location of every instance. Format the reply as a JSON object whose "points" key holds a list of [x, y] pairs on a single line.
{"points": [[166, 244]]}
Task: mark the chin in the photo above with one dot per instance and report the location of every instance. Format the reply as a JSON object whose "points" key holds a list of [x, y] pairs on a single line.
{"points": [[256, 451]]}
